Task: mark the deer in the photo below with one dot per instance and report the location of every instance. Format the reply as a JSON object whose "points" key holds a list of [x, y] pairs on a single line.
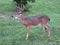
{"points": [[33, 21]]}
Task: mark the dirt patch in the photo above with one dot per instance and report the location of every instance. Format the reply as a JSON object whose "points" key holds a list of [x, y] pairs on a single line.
{"points": [[2, 16]]}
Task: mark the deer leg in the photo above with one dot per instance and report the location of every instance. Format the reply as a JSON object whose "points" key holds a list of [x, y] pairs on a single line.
{"points": [[27, 31], [44, 28], [48, 29]]}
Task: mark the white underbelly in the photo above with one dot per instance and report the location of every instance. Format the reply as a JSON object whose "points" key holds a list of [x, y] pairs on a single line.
{"points": [[35, 26]]}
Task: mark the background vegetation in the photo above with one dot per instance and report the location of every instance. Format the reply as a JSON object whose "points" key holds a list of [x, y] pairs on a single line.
{"points": [[12, 32]]}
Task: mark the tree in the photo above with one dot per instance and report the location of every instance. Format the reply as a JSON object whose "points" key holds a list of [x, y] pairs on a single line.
{"points": [[21, 3]]}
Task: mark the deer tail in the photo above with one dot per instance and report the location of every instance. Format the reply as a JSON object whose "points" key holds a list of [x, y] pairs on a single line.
{"points": [[49, 19]]}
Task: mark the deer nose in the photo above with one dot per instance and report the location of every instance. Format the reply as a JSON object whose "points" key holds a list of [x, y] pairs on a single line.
{"points": [[12, 16]]}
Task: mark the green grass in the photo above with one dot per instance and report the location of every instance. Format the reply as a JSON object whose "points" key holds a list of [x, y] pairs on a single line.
{"points": [[13, 32]]}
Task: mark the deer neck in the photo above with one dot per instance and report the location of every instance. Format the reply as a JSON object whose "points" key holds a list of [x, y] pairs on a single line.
{"points": [[22, 19]]}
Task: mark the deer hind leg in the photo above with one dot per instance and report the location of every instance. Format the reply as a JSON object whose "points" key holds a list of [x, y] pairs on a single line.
{"points": [[46, 26], [27, 32]]}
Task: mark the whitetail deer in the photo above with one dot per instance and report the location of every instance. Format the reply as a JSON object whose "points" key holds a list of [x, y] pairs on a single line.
{"points": [[33, 21]]}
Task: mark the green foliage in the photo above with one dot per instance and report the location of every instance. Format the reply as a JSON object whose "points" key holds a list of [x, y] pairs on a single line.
{"points": [[23, 1]]}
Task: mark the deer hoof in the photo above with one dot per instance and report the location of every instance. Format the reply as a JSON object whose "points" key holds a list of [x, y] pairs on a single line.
{"points": [[26, 38]]}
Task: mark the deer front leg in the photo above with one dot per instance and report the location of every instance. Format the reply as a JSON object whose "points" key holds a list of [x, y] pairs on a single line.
{"points": [[44, 28], [27, 32]]}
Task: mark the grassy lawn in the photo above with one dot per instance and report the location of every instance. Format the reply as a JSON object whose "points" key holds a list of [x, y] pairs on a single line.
{"points": [[13, 32]]}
